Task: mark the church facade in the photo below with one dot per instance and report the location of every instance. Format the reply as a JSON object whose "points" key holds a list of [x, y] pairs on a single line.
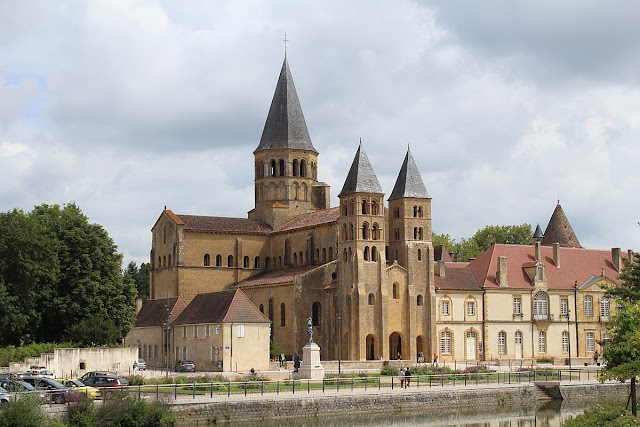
{"points": [[366, 271]]}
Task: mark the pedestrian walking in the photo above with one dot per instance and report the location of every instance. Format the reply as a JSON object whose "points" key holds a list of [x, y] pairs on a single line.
{"points": [[407, 378], [401, 375], [282, 359], [595, 357]]}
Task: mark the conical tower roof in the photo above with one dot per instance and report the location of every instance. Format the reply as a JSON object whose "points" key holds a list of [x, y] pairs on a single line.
{"points": [[285, 127], [538, 233], [559, 231], [361, 177], [409, 182]]}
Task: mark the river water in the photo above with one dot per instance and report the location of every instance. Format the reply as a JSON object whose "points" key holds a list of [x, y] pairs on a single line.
{"points": [[549, 414]]}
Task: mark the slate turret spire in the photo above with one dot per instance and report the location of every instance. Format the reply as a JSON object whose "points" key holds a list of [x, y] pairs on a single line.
{"points": [[559, 231], [285, 127], [361, 177], [409, 182]]}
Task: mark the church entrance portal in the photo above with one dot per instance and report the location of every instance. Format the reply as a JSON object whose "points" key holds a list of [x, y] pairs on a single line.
{"points": [[395, 346]]}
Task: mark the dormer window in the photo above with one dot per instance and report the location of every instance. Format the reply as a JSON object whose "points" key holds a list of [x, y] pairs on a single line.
{"points": [[540, 273]]}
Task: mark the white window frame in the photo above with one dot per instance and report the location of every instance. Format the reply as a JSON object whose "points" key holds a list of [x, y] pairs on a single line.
{"points": [[517, 306], [542, 342], [605, 309], [564, 306], [471, 308], [565, 342], [195, 331], [184, 332], [541, 306], [588, 306], [445, 342], [217, 330], [445, 307], [207, 330], [502, 342], [590, 341], [240, 331]]}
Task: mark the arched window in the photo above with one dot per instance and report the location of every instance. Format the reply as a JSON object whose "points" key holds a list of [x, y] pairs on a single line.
{"points": [[540, 306], [604, 309], [301, 258], [344, 232], [350, 231], [324, 254], [267, 262], [502, 342], [345, 209], [420, 300], [419, 254], [365, 231], [262, 308], [159, 262], [344, 255], [295, 167], [415, 211], [259, 170], [164, 261], [415, 233], [272, 170], [397, 233], [280, 260], [246, 262], [374, 254], [207, 260], [366, 253], [349, 253], [283, 316], [420, 215], [420, 236], [351, 207], [396, 212], [315, 314], [371, 299], [256, 262], [317, 255], [230, 261], [364, 206], [218, 260], [395, 291], [374, 208], [303, 168], [375, 231], [281, 164], [271, 309], [295, 258]]}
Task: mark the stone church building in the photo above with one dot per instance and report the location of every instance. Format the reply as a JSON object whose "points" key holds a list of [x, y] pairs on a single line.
{"points": [[367, 272]]}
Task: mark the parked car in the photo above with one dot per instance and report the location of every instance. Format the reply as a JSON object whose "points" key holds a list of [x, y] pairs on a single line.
{"points": [[97, 374], [57, 392], [19, 388], [141, 364], [41, 372], [107, 380], [185, 366], [80, 386], [5, 397]]}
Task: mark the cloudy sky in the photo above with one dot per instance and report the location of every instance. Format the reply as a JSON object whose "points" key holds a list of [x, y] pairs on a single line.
{"points": [[127, 106]]}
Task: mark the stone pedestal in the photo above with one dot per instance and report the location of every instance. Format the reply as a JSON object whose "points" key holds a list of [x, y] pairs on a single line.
{"points": [[310, 367]]}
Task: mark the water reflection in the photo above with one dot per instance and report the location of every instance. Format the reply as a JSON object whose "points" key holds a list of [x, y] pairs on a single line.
{"points": [[549, 414]]}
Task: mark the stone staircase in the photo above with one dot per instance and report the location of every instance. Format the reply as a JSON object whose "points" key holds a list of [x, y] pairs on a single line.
{"points": [[547, 390]]}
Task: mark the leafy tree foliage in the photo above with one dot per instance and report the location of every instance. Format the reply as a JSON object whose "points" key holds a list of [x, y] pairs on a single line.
{"points": [[630, 276], [484, 238], [140, 277], [56, 271]]}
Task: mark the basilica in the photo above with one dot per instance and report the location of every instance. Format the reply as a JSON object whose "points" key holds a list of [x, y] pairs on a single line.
{"points": [[366, 271]]}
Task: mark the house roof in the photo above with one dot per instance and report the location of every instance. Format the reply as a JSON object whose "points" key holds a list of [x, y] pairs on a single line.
{"points": [[223, 224], [281, 275], [154, 311], [361, 177], [457, 278], [559, 231], [440, 253], [312, 219], [231, 306], [285, 127], [409, 182], [575, 265]]}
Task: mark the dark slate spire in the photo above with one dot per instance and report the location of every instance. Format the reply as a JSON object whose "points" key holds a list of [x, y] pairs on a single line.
{"points": [[559, 231], [285, 127], [361, 177], [538, 233], [409, 182]]}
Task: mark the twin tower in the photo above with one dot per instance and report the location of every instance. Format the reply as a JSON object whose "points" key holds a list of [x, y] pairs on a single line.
{"points": [[383, 293]]}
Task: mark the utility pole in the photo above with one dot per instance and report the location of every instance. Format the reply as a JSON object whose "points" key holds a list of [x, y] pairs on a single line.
{"points": [[339, 341], [569, 336]]}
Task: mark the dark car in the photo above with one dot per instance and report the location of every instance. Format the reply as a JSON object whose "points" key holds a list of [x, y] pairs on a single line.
{"points": [[18, 388], [57, 392], [185, 366], [104, 380]]}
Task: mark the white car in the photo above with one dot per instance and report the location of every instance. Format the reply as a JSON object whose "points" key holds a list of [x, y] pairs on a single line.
{"points": [[41, 372]]}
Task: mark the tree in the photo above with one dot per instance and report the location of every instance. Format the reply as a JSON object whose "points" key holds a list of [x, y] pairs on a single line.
{"points": [[483, 239], [622, 350], [56, 271], [140, 277]]}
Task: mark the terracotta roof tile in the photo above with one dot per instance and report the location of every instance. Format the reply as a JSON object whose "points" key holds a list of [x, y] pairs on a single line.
{"points": [[224, 224], [282, 275], [457, 277], [220, 307], [313, 219], [154, 312]]}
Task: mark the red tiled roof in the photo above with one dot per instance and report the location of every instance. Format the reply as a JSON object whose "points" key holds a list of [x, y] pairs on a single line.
{"points": [[221, 307], [313, 219], [281, 275], [154, 311], [223, 224], [576, 264], [457, 277]]}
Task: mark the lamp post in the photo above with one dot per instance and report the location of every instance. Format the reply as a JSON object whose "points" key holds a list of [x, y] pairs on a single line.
{"points": [[339, 341], [167, 338], [569, 337]]}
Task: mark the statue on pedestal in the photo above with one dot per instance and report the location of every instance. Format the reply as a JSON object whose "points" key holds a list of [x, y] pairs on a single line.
{"points": [[310, 329]]}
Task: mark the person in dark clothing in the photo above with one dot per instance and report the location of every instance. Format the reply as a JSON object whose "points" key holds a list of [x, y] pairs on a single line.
{"points": [[407, 377]]}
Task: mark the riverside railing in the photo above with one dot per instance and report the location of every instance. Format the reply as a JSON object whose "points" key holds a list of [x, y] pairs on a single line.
{"points": [[292, 387]]}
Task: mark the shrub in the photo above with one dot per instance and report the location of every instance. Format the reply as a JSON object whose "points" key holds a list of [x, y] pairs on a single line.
{"points": [[23, 412], [82, 413], [133, 412], [135, 380], [389, 370], [607, 414]]}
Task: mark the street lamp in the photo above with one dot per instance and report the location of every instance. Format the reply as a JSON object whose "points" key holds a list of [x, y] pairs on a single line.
{"points": [[339, 341], [167, 338], [569, 337]]}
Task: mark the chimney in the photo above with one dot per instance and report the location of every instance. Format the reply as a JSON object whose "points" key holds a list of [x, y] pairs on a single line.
{"points": [[138, 305], [629, 255], [441, 269], [538, 252], [501, 275], [616, 258], [556, 254]]}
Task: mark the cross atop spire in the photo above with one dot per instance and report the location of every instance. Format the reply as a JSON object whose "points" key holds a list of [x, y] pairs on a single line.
{"points": [[285, 40]]}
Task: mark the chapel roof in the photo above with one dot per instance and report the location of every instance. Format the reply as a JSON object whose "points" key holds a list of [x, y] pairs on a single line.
{"points": [[281, 275], [576, 264], [409, 182], [224, 224], [154, 311], [559, 231], [285, 127], [231, 306], [361, 177], [311, 219]]}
